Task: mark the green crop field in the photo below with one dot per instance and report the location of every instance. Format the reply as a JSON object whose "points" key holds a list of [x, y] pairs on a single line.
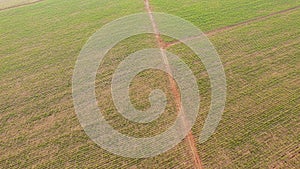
{"points": [[258, 42]]}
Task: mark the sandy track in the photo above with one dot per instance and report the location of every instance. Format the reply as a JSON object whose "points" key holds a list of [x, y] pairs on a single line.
{"points": [[176, 94]]}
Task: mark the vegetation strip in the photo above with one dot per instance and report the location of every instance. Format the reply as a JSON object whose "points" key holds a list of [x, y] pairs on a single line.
{"points": [[230, 27], [190, 138]]}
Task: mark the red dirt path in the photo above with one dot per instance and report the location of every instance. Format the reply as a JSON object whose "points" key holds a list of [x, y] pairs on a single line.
{"points": [[176, 94]]}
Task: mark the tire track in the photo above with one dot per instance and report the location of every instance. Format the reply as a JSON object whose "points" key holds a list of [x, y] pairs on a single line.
{"points": [[230, 27], [176, 94], [20, 5]]}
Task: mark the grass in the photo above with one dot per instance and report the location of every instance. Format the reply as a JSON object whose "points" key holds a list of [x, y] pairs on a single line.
{"points": [[209, 15], [40, 44], [262, 97]]}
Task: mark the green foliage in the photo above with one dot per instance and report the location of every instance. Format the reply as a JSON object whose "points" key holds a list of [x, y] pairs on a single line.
{"points": [[39, 46]]}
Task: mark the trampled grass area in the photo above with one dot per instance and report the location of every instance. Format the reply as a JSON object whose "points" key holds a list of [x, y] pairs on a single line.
{"points": [[40, 44]]}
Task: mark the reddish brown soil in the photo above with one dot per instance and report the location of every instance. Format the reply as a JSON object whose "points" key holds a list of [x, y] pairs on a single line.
{"points": [[176, 94]]}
